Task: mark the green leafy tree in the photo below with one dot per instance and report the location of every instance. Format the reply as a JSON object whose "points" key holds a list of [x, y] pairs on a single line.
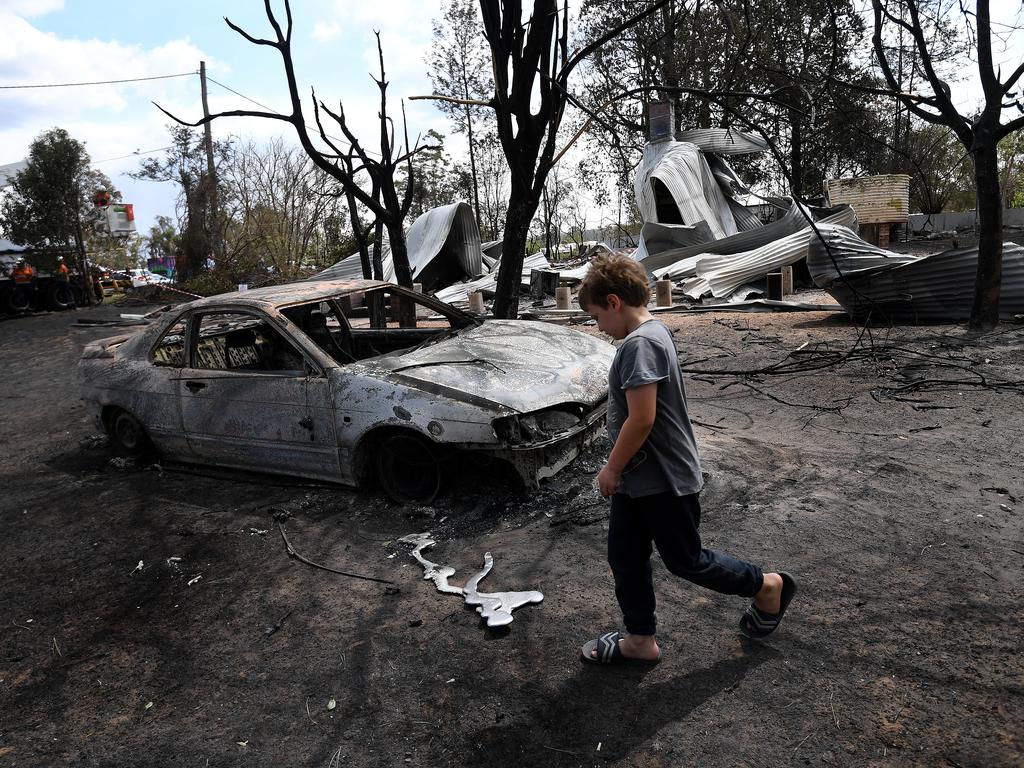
{"points": [[769, 67], [162, 240], [281, 201], [459, 66], [185, 165], [49, 205], [119, 253], [938, 167], [1011, 170], [436, 181]]}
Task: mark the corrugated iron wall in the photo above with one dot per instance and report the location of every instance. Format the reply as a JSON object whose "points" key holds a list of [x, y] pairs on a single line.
{"points": [[876, 199]]}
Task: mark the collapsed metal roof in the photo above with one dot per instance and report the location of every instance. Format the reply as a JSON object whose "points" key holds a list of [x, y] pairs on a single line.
{"points": [[443, 246], [668, 260], [723, 141], [674, 185], [720, 275], [458, 293], [892, 287], [711, 241], [697, 231]]}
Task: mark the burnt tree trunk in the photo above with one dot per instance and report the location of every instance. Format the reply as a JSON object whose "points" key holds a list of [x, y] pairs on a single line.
{"points": [[985, 312], [521, 208], [531, 65], [403, 275]]}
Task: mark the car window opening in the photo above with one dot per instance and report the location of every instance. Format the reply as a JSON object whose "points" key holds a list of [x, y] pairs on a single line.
{"points": [[372, 323], [241, 342], [170, 350]]}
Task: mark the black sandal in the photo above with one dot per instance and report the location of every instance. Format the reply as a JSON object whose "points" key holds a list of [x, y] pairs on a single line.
{"points": [[755, 623], [609, 653]]}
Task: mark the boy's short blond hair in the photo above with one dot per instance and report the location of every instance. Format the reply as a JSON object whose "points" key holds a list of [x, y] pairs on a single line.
{"points": [[621, 275]]}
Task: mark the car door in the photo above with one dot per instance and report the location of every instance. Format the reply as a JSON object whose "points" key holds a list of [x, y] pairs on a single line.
{"points": [[250, 398], [154, 400]]}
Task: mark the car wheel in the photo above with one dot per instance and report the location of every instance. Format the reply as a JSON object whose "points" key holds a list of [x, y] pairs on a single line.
{"points": [[18, 300], [127, 435], [60, 296], [408, 468]]}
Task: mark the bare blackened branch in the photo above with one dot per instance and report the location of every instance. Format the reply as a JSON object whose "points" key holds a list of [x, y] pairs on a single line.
{"points": [[469, 102], [229, 113], [411, 179], [573, 62], [282, 39], [247, 36]]}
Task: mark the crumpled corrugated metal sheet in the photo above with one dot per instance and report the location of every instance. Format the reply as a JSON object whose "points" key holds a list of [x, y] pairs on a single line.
{"points": [[746, 218], [725, 176], [892, 287], [351, 268], [677, 263], [684, 171], [657, 238], [852, 256], [448, 232], [720, 275], [458, 294], [723, 141]]}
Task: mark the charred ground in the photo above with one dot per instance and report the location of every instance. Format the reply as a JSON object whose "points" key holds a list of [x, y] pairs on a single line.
{"points": [[891, 493]]}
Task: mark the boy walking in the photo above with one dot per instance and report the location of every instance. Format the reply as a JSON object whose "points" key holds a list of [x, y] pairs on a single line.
{"points": [[653, 476]]}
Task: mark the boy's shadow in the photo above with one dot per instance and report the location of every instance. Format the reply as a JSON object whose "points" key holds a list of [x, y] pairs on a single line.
{"points": [[605, 705]]}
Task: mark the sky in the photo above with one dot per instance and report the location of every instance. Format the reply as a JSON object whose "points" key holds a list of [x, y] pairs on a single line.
{"points": [[58, 41], [71, 41]]}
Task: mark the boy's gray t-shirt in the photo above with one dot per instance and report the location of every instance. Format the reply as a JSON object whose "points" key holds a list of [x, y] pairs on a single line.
{"points": [[668, 459]]}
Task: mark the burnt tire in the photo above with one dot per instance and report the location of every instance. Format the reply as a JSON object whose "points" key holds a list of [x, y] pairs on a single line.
{"points": [[409, 468], [127, 435], [60, 296]]}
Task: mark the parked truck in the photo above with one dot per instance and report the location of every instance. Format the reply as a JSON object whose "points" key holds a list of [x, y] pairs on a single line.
{"points": [[25, 288]]}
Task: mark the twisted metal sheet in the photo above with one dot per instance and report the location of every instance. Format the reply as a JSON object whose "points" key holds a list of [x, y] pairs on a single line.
{"points": [[495, 607]]}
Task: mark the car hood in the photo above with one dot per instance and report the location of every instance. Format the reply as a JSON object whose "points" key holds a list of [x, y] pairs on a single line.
{"points": [[522, 365]]}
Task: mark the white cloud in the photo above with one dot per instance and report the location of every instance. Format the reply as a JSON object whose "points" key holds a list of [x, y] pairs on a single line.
{"points": [[111, 120], [30, 7], [325, 31], [32, 57]]}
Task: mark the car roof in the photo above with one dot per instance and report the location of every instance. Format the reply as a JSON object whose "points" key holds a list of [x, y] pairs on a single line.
{"points": [[289, 293]]}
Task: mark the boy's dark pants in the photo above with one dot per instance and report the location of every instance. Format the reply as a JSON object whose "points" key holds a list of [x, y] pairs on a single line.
{"points": [[671, 523]]}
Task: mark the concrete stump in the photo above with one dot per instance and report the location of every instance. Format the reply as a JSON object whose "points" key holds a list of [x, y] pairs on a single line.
{"points": [[787, 281], [664, 293], [563, 298]]}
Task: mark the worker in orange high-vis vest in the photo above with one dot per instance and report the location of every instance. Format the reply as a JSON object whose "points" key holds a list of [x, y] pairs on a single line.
{"points": [[22, 273]]}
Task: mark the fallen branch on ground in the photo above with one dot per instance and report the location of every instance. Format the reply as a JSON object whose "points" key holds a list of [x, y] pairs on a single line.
{"points": [[307, 561]]}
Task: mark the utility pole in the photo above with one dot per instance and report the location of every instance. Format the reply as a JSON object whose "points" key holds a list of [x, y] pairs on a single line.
{"points": [[213, 226]]}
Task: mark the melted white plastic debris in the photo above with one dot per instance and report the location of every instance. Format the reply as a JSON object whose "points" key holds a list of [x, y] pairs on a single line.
{"points": [[495, 607]]}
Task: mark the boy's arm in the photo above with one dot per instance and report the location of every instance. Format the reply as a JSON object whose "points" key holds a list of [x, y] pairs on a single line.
{"points": [[642, 403]]}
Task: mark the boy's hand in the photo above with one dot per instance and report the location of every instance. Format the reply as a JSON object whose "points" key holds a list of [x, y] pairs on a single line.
{"points": [[608, 481]]}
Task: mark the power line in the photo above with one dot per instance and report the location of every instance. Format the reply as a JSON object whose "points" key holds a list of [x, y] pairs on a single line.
{"points": [[136, 153], [97, 82], [258, 104]]}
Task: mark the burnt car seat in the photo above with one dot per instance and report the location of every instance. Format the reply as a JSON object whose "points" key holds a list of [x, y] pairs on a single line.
{"points": [[241, 351]]}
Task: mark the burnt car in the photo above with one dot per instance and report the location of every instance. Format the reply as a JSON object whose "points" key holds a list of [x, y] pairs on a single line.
{"points": [[349, 381]]}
